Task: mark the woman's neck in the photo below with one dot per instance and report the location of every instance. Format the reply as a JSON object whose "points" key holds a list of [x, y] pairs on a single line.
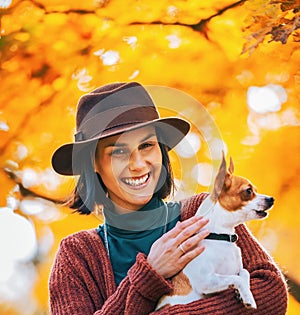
{"points": [[150, 216], [121, 210]]}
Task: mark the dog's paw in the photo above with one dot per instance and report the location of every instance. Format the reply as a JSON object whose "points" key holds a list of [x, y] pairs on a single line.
{"points": [[250, 306], [250, 302]]}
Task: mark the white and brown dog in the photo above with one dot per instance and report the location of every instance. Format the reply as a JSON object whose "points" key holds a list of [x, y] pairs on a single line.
{"points": [[233, 201]]}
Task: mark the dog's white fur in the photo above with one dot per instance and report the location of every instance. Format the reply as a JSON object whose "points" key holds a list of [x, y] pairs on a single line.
{"points": [[220, 266]]}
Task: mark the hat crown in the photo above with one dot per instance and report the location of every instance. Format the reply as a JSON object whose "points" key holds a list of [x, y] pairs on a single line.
{"points": [[109, 97]]}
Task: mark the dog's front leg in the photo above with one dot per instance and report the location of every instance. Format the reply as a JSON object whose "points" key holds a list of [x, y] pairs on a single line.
{"points": [[245, 275], [219, 283]]}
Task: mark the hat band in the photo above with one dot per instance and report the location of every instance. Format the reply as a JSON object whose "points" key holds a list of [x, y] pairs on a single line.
{"points": [[115, 119]]}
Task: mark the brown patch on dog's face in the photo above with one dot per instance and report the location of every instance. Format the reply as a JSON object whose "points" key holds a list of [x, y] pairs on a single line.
{"points": [[182, 285], [236, 194]]}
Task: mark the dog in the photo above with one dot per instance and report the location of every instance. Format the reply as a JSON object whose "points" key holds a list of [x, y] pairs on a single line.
{"points": [[233, 201]]}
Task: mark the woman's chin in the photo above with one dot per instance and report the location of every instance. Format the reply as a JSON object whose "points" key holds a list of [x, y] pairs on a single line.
{"points": [[140, 200]]}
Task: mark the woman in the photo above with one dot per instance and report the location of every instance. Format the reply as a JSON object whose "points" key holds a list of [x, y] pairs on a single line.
{"points": [[123, 267]]}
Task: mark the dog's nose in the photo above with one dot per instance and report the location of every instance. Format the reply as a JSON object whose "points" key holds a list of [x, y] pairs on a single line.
{"points": [[270, 201]]}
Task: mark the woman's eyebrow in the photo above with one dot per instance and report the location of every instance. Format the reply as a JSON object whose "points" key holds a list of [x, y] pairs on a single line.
{"points": [[150, 135], [115, 144]]}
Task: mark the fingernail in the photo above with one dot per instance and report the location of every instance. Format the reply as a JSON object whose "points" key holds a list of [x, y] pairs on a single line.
{"points": [[204, 220], [204, 232]]}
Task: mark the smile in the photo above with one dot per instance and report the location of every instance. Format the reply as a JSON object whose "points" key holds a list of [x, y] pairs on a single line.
{"points": [[136, 181]]}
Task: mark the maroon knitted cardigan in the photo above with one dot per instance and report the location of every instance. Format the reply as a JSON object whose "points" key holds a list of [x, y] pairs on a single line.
{"points": [[82, 281]]}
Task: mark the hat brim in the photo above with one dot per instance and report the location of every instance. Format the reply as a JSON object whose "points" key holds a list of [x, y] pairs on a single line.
{"points": [[65, 161]]}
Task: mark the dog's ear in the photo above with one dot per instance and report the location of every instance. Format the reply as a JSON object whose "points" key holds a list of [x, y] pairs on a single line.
{"points": [[220, 180], [227, 180], [231, 166]]}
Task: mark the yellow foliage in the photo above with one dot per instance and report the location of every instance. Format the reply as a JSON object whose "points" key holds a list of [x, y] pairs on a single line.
{"points": [[227, 28], [165, 11]]}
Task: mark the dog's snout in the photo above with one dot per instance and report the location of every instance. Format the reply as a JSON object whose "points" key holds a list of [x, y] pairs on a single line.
{"points": [[270, 201]]}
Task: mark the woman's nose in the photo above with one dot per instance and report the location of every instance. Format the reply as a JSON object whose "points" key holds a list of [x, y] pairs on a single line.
{"points": [[136, 161]]}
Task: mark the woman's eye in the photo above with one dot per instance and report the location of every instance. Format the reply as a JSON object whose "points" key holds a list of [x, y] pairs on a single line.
{"points": [[146, 145], [118, 152]]}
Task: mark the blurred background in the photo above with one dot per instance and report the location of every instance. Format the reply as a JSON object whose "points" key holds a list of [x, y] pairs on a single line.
{"points": [[238, 62]]}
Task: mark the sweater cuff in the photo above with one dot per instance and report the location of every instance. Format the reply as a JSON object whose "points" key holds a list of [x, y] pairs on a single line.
{"points": [[146, 280]]}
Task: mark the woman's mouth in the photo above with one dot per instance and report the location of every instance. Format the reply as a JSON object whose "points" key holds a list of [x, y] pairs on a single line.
{"points": [[136, 181]]}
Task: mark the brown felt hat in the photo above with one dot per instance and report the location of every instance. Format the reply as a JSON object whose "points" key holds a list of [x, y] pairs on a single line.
{"points": [[110, 110]]}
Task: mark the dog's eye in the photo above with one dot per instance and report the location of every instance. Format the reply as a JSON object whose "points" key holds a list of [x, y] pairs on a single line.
{"points": [[246, 194], [249, 191]]}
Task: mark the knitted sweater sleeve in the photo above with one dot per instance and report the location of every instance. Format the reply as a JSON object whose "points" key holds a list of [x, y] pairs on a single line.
{"points": [[267, 283], [81, 281]]}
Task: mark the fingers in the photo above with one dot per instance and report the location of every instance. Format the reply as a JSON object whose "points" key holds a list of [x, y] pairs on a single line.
{"points": [[187, 227], [187, 235], [192, 242], [191, 248], [176, 248], [191, 254]]}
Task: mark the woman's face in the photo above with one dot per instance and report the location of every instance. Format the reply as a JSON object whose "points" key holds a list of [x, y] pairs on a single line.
{"points": [[130, 165]]}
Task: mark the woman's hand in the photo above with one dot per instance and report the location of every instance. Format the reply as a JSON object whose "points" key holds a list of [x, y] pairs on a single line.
{"points": [[175, 249]]}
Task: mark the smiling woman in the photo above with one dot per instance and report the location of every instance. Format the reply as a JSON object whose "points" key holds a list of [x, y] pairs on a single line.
{"points": [[130, 167], [123, 267]]}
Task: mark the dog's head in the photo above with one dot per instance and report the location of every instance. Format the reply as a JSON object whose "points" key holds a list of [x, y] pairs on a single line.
{"points": [[238, 194]]}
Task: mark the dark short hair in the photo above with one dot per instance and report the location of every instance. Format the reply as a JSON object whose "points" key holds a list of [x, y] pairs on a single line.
{"points": [[90, 190]]}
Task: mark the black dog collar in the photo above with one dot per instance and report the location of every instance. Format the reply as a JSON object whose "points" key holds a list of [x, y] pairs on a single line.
{"points": [[222, 237]]}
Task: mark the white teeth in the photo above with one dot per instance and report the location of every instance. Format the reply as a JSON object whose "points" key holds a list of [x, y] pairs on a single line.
{"points": [[136, 182]]}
